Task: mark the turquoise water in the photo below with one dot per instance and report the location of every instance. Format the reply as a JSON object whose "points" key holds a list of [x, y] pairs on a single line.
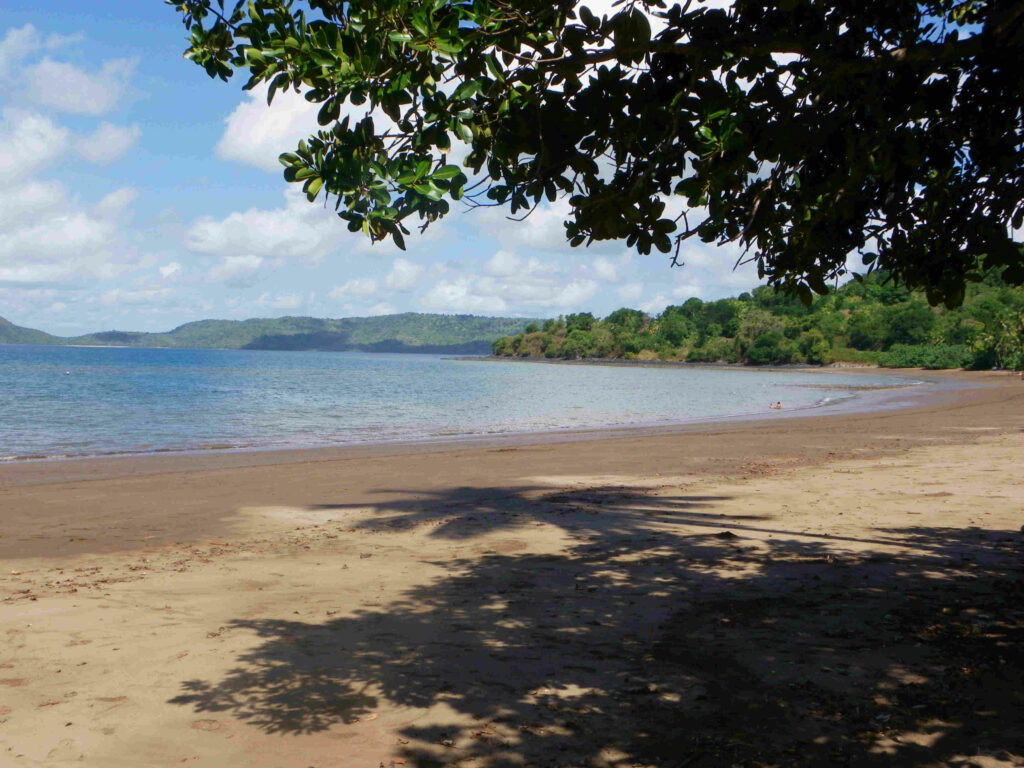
{"points": [[74, 401]]}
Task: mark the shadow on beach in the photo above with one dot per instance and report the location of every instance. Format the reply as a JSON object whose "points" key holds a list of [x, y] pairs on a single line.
{"points": [[669, 633]]}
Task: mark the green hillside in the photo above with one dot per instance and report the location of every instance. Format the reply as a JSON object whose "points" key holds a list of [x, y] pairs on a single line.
{"points": [[15, 334], [408, 332], [871, 321]]}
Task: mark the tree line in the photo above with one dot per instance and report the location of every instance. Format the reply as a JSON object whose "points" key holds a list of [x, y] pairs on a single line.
{"points": [[870, 321]]}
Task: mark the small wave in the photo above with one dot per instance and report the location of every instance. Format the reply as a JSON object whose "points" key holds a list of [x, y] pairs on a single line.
{"points": [[34, 457]]}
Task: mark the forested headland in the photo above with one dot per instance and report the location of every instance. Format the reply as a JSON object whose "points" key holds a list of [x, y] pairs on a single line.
{"points": [[867, 321]]}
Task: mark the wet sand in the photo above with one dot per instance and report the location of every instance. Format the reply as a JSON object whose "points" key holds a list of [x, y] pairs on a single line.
{"points": [[824, 589]]}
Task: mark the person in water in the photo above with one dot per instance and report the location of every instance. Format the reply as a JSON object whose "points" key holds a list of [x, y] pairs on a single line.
{"points": [[776, 406]]}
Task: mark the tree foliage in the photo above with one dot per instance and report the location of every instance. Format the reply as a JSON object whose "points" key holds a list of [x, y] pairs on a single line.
{"points": [[803, 130], [869, 321]]}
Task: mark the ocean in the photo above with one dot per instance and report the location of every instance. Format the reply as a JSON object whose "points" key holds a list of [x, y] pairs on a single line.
{"points": [[59, 402]]}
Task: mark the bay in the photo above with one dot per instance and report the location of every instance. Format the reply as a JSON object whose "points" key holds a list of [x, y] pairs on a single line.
{"points": [[87, 401]]}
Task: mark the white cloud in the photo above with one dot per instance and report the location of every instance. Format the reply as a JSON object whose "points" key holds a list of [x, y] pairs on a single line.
{"points": [[118, 297], [688, 291], [255, 133], [46, 235], [404, 275], [631, 292], [19, 43], [61, 248], [29, 142], [543, 229], [459, 295], [655, 305], [287, 301], [115, 204], [170, 270], [16, 45], [572, 295], [512, 283], [297, 231], [24, 202], [236, 269], [67, 88], [504, 264], [32, 274], [605, 270], [381, 308], [65, 241], [533, 291], [708, 272], [360, 286], [108, 143]]}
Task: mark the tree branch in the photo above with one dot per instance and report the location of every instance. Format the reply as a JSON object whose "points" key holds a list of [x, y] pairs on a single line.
{"points": [[926, 53]]}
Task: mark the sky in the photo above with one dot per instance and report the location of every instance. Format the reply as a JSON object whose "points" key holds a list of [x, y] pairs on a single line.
{"points": [[138, 194]]}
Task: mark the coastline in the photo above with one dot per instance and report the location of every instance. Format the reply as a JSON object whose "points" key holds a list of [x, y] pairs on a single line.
{"points": [[862, 400], [637, 363], [802, 591], [912, 407]]}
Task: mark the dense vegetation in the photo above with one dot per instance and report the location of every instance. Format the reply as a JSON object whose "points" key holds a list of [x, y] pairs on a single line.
{"points": [[867, 321], [408, 332]]}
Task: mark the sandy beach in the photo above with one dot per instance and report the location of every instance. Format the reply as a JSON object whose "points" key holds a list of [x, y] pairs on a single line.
{"points": [[842, 589]]}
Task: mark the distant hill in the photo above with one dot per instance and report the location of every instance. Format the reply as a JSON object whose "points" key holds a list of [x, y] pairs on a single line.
{"points": [[407, 332], [15, 334]]}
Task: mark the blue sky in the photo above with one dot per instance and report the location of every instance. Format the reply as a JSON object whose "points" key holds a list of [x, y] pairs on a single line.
{"points": [[137, 194]]}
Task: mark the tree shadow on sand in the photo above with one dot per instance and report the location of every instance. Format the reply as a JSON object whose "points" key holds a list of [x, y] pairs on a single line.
{"points": [[667, 635]]}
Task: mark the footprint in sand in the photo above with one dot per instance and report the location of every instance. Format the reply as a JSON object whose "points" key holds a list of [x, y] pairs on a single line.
{"points": [[211, 726]]}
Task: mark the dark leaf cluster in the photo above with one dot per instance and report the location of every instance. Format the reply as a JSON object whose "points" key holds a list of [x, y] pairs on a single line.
{"points": [[805, 131]]}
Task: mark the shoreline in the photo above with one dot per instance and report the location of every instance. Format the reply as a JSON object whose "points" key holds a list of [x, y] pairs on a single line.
{"points": [[861, 401], [220, 475], [815, 590], [716, 366]]}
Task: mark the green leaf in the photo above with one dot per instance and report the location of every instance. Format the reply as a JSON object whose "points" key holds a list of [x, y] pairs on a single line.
{"points": [[467, 90], [639, 28], [313, 187], [463, 132], [447, 172], [429, 190]]}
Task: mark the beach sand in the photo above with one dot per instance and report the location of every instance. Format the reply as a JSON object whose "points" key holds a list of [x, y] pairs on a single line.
{"points": [[820, 590]]}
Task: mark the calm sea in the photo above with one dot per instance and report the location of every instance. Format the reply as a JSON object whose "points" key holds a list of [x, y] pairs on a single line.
{"points": [[74, 401]]}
